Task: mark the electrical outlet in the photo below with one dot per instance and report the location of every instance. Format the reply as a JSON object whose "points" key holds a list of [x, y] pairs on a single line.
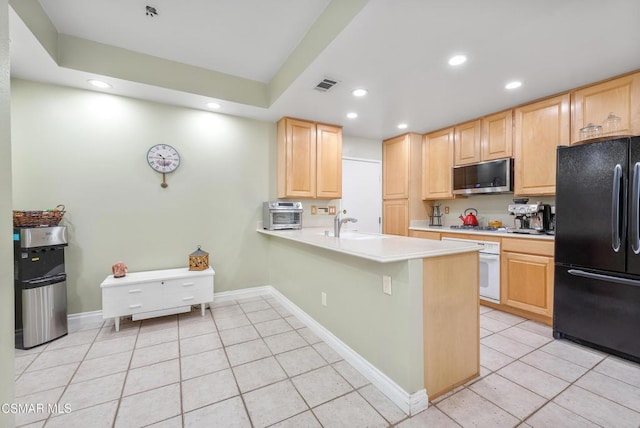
{"points": [[386, 284], [314, 209], [446, 210], [323, 295], [332, 210]]}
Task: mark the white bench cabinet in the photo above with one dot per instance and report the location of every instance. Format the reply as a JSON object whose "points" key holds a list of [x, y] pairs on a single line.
{"points": [[156, 293]]}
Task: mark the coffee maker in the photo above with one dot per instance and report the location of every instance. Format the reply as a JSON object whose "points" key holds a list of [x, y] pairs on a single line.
{"points": [[535, 218]]}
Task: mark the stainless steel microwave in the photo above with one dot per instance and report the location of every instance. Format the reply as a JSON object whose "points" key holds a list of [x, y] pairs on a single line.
{"points": [[282, 215], [484, 177]]}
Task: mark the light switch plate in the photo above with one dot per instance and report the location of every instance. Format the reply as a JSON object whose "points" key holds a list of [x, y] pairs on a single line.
{"points": [[386, 284], [324, 298], [314, 209]]}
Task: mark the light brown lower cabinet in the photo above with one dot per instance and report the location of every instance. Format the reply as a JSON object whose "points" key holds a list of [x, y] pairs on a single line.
{"points": [[527, 277], [395, 217], [451, 343], [424, 234]]}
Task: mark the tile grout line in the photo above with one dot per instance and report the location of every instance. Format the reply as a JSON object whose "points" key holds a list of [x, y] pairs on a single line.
{"points": [[330, 365], [468, 384], [224, 348], [180, 367], [46, 420], [126, 376], [548, 400]]}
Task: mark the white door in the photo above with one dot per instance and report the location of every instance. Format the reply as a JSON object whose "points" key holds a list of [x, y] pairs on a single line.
{"points": [[362, 194]]}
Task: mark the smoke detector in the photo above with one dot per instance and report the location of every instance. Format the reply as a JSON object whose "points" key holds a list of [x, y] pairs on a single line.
{"points": [[151, 11], [326, 83]]}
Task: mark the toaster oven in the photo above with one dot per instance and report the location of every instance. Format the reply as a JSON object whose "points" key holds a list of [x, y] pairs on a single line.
{"points": [[280, 215]]}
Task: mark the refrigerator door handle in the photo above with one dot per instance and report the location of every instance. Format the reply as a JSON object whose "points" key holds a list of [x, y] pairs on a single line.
{"points": [[635, 202], [615, 209], [598, 276]]}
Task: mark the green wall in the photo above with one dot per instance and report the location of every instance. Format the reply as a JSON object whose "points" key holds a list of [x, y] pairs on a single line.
{"points": [[385, 330], [87, 150], [7, 371]]}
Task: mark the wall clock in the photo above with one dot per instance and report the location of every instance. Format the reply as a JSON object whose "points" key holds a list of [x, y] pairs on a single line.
{"points": [[164, 159]]}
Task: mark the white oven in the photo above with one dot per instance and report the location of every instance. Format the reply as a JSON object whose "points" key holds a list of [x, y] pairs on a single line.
{"points": [[489, 268]]}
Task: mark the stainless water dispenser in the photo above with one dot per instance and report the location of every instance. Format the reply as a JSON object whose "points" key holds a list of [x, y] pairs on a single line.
{"points": [[40, 285]]}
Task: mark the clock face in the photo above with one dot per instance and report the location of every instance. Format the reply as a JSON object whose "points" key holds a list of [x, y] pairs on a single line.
{"points": [[163, 158]]}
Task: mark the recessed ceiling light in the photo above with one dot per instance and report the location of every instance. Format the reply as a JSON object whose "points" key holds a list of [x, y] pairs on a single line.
{"points": [[352, 115], [402, 126], [99, 83], [513, 85], [359, 92], [457, 60], [214, 105]]}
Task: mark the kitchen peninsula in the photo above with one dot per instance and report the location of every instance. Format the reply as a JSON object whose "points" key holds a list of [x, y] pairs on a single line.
{"points": [[408, 306]]}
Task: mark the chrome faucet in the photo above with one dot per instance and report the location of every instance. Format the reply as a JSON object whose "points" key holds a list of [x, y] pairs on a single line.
{"points": [[338, 221]]}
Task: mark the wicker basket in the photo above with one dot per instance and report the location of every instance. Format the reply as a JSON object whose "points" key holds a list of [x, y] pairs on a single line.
{"points": [[38, 218]]}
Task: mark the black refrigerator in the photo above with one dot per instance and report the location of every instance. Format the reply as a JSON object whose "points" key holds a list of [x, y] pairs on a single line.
{"points": [[597, 246]]}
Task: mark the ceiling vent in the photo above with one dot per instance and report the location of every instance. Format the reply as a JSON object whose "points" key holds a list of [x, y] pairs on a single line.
{"points": [[325, 84]]}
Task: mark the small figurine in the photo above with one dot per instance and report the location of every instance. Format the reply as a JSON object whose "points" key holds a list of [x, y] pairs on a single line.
{"points": [[119, 269]]}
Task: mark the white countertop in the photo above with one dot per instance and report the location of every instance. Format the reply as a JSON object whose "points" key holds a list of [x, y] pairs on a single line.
{"points": [[501, 234], [376, 247]]}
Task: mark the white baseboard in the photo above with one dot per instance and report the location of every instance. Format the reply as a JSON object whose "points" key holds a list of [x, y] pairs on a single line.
{"points": [[76, 322], [244, 293], [409, 403]]}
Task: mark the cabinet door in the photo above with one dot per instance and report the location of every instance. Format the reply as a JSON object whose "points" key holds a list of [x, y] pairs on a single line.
{"points": [[540, 128], [594, 104], [395, 217], [329, 162], [437, 161], [527, 282], [497, 136], [467, 143], [395, 168], [298, 151]]}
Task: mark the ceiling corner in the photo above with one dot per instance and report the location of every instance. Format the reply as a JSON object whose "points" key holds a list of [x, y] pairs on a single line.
{"points": [[35, 18], [336, 16]]}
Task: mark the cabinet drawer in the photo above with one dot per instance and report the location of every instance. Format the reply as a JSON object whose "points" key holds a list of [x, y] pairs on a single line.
{"points": [[424, 234], [472, 236], [186, 284], [189, 297], [528, 246], [130, 299]]}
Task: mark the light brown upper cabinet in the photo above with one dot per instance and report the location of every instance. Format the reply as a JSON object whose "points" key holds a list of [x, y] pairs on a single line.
{"points": [[592, 105], [437, 161], [467, 143], [497, 136], [540, 127], [484, 139], [395, 167], [329, 162], [309, 160]]}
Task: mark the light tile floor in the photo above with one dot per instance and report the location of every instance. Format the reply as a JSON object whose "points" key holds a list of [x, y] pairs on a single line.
{"points": [[253, 364]]}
